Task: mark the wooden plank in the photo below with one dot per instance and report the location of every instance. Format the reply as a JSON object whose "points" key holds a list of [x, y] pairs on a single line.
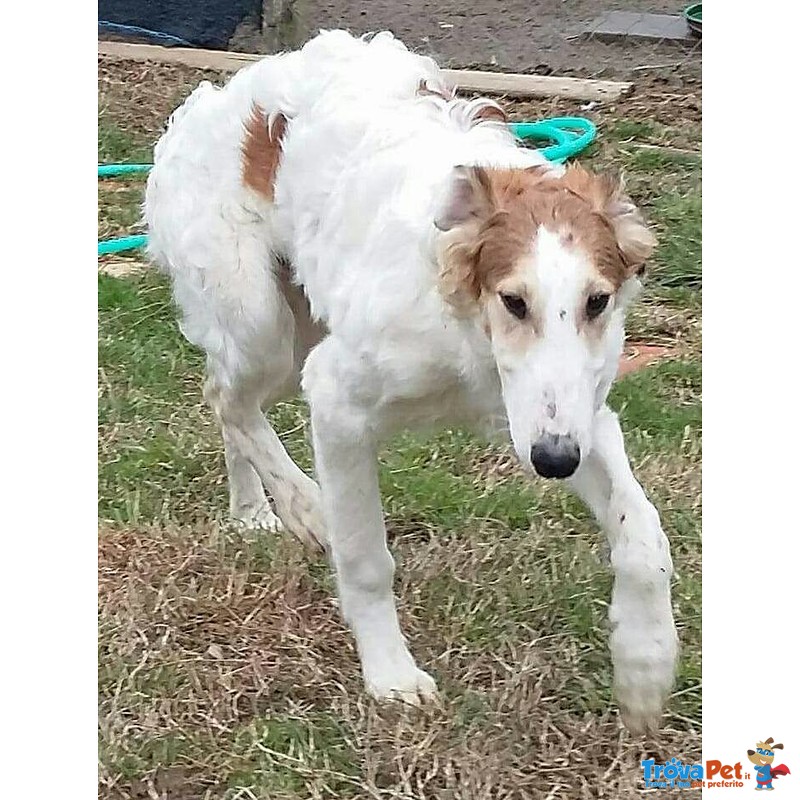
{"points": [[511, 84], [201, 59], [516, 85]]}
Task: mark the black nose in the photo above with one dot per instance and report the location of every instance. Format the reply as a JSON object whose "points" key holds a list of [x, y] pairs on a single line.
{"points": [[555, 456]]}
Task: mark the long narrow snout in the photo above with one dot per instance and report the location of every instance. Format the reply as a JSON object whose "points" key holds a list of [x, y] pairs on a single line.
{"points": [[555, 455]]}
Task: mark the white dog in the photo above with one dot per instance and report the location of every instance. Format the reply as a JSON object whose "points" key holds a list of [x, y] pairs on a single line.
{"points": [[336, 214]]}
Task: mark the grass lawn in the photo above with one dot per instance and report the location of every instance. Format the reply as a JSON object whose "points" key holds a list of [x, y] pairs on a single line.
{"points": [[225, 670]]}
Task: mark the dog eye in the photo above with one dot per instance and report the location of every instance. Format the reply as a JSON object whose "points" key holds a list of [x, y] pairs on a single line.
{"points": [[596, 304], [515, 305]]}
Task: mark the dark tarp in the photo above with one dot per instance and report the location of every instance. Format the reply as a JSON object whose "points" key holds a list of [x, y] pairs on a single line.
{"points": [[204, 23]]}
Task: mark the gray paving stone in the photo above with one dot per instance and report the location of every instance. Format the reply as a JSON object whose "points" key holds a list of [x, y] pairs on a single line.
{"points": [[615, 25]]}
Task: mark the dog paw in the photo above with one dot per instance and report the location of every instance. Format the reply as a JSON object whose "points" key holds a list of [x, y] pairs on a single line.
{"points": [[304, 519], [641, 705], [403, 682], [310, 537], [644, 673], [262, 518], [309, 527]]}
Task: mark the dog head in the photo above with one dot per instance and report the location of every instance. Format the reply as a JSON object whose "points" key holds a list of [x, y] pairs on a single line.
{"points": [[764, 752], [547, 265]]}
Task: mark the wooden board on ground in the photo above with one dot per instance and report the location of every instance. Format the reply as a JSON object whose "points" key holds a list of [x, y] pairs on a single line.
{"points": [[511, 84], [516, 85]]}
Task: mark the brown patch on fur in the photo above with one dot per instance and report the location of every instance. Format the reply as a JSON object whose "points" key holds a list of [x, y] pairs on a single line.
{"points": [[261, 152], [605, 195], [494, 215]]}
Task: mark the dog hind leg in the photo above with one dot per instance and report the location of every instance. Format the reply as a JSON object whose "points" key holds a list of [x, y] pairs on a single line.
{"points": [[255, 457], [247, 499], [250, 437]]}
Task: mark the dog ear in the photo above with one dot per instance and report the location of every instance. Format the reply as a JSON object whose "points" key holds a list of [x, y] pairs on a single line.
{"points": [[606, 195], [636, 240], [777, 747], [470, 197]]}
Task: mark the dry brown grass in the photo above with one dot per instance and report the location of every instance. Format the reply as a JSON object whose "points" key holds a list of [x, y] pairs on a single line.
{"points": [[225, 668]]}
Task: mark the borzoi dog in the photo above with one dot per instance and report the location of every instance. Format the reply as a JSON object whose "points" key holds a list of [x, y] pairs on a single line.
{"points": [[336, 218]]}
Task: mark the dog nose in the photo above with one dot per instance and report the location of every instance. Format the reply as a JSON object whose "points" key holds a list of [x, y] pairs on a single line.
{"points": [[555, 456]]}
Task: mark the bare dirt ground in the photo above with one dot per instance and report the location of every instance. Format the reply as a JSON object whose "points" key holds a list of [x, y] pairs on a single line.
{"points": [[541, 36]]}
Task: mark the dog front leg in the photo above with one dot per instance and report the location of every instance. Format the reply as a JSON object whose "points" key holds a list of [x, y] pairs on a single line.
{"points": [[644, 642], [346, 461]]}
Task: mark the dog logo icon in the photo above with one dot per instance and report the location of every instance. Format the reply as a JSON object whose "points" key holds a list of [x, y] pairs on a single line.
{"points": [[762, 757]]}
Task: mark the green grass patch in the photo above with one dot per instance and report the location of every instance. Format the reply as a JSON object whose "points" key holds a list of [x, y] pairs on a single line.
{"points": [[140, 348], [659, 403], [627, 129], [277, 755], [677, 270], [115, 145], [152, 446], [657, 161], [271, 750]]}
